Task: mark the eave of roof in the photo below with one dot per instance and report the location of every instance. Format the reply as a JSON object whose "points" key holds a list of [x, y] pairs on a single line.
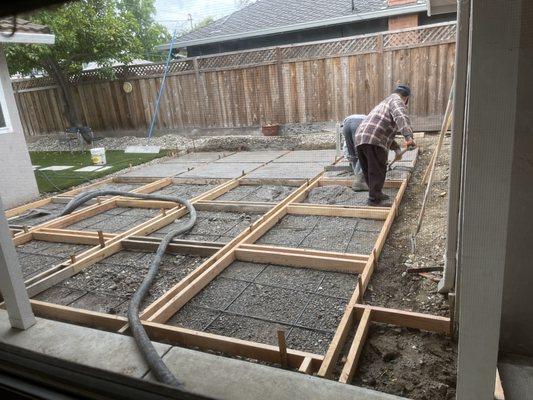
{"points": [[25, 32], [392, 11], [27, 38]]}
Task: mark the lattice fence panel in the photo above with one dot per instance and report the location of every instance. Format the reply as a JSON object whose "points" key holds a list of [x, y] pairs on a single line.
{"points": [[32, 83], [330, 49], [421, 36], [237, 59]]}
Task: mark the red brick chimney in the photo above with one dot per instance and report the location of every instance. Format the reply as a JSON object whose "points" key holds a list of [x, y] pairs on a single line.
{"points": [[402, 21]]}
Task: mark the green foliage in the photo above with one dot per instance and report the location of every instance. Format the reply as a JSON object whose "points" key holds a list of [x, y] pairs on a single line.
{"points": [[50, 181], [92, 30], [204, 22]]}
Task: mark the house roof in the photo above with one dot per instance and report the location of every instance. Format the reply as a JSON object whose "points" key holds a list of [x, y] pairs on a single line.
{"points": [[266, 17], [25, 32]]}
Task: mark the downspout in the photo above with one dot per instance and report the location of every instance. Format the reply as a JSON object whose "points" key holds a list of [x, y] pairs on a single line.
{"points": [[447, 283]]}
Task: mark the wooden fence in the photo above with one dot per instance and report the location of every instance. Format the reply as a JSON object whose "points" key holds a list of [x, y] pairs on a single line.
{"points": [[303, 83]]}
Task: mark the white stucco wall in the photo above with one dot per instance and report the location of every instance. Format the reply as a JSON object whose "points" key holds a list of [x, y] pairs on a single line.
{"points": [[17, 180]]}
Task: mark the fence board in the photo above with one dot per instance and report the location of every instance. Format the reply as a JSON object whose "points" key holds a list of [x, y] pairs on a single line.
{"points": [[319, 81]]}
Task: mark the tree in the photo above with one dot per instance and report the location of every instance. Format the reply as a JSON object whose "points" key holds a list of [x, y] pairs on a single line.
{"points": [[89, 30]]}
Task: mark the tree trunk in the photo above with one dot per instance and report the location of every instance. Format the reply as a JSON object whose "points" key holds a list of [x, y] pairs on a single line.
{"points": [[54, 70]]}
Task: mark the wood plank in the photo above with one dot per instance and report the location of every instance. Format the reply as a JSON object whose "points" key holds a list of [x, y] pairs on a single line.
{"points": [[356, 348], [306, 366], [339, 211], [405, 319], [200, 249], [323, 263], [245, 207], [293, 250], [175, 335], [389, 183]]}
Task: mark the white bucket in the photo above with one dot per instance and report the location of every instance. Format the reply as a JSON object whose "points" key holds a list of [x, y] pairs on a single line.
{"points": [[98, 156]]}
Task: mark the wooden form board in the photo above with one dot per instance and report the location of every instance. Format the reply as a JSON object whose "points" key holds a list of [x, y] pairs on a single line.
{"points": [[242, 247]]}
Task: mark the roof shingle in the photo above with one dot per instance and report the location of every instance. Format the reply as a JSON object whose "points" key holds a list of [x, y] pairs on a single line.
{"points": [[23, 26], [266, 14]]}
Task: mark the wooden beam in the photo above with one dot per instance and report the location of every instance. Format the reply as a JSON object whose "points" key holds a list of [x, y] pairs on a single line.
{"points": [[406, 319], [77, 316], [294, 250], [140, 203], [246, 207], [226, 345], [271, 181], [67, 236], [306, 366], [389, 183], [175, 335], [282, 345], [379, 213], [202, 249], [319, 262], [21, 209], [356, 348]]}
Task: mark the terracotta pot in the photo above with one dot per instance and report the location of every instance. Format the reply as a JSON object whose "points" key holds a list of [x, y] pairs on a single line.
{"points": [[270, 130]]}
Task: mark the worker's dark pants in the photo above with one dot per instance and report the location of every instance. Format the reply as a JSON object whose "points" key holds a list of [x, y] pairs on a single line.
{"points": [[373, 161]]}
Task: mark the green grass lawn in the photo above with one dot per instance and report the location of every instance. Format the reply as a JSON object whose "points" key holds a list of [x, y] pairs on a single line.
{"points": [[53, 181]]}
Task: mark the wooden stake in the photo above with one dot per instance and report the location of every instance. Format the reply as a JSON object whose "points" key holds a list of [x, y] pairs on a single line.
{"points": [[163, 212], [282, 344], [25, 228], [360, 289], [101, 239], [451, 303], [72, 258]]}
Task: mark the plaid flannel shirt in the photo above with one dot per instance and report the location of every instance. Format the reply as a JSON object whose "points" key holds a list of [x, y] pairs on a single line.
{"points": [[383, 122]]}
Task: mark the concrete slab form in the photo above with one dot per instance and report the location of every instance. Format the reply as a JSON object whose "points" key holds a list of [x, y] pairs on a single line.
{"points": [[227, 287]]}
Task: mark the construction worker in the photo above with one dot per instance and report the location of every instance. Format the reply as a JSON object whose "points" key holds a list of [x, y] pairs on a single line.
{"points": [[349, 127], [375, 136]]}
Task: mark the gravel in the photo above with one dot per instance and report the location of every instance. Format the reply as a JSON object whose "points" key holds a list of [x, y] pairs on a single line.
{"points": [[308, 141]]}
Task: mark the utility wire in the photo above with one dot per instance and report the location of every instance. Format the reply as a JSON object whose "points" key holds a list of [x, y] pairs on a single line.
{"points": [[162, 87]]}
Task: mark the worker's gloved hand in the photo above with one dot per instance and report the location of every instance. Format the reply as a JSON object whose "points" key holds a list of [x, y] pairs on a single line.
{"points": [[410, 143], [398, 155]]}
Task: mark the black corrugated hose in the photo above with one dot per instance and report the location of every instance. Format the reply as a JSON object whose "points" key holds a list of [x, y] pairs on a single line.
{"points": [[157, 366]]}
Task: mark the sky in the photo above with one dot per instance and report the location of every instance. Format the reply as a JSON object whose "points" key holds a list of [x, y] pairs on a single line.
{"points": [[174, 12]]}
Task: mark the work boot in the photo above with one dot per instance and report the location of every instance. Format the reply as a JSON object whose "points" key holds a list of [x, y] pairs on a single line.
{"points": [[383, 196], [378, 203]]}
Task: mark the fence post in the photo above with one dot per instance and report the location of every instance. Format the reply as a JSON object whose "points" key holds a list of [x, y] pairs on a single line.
{"points": [[281, 89], [203, 104], [379, 43]]}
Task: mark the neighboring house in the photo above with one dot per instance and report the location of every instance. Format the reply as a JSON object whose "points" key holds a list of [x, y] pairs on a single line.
{"points": [[17, 180], [279, 22], [114, 63]]}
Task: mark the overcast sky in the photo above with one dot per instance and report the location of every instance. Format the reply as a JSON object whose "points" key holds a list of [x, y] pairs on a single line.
{"points": [[172, 12]]}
